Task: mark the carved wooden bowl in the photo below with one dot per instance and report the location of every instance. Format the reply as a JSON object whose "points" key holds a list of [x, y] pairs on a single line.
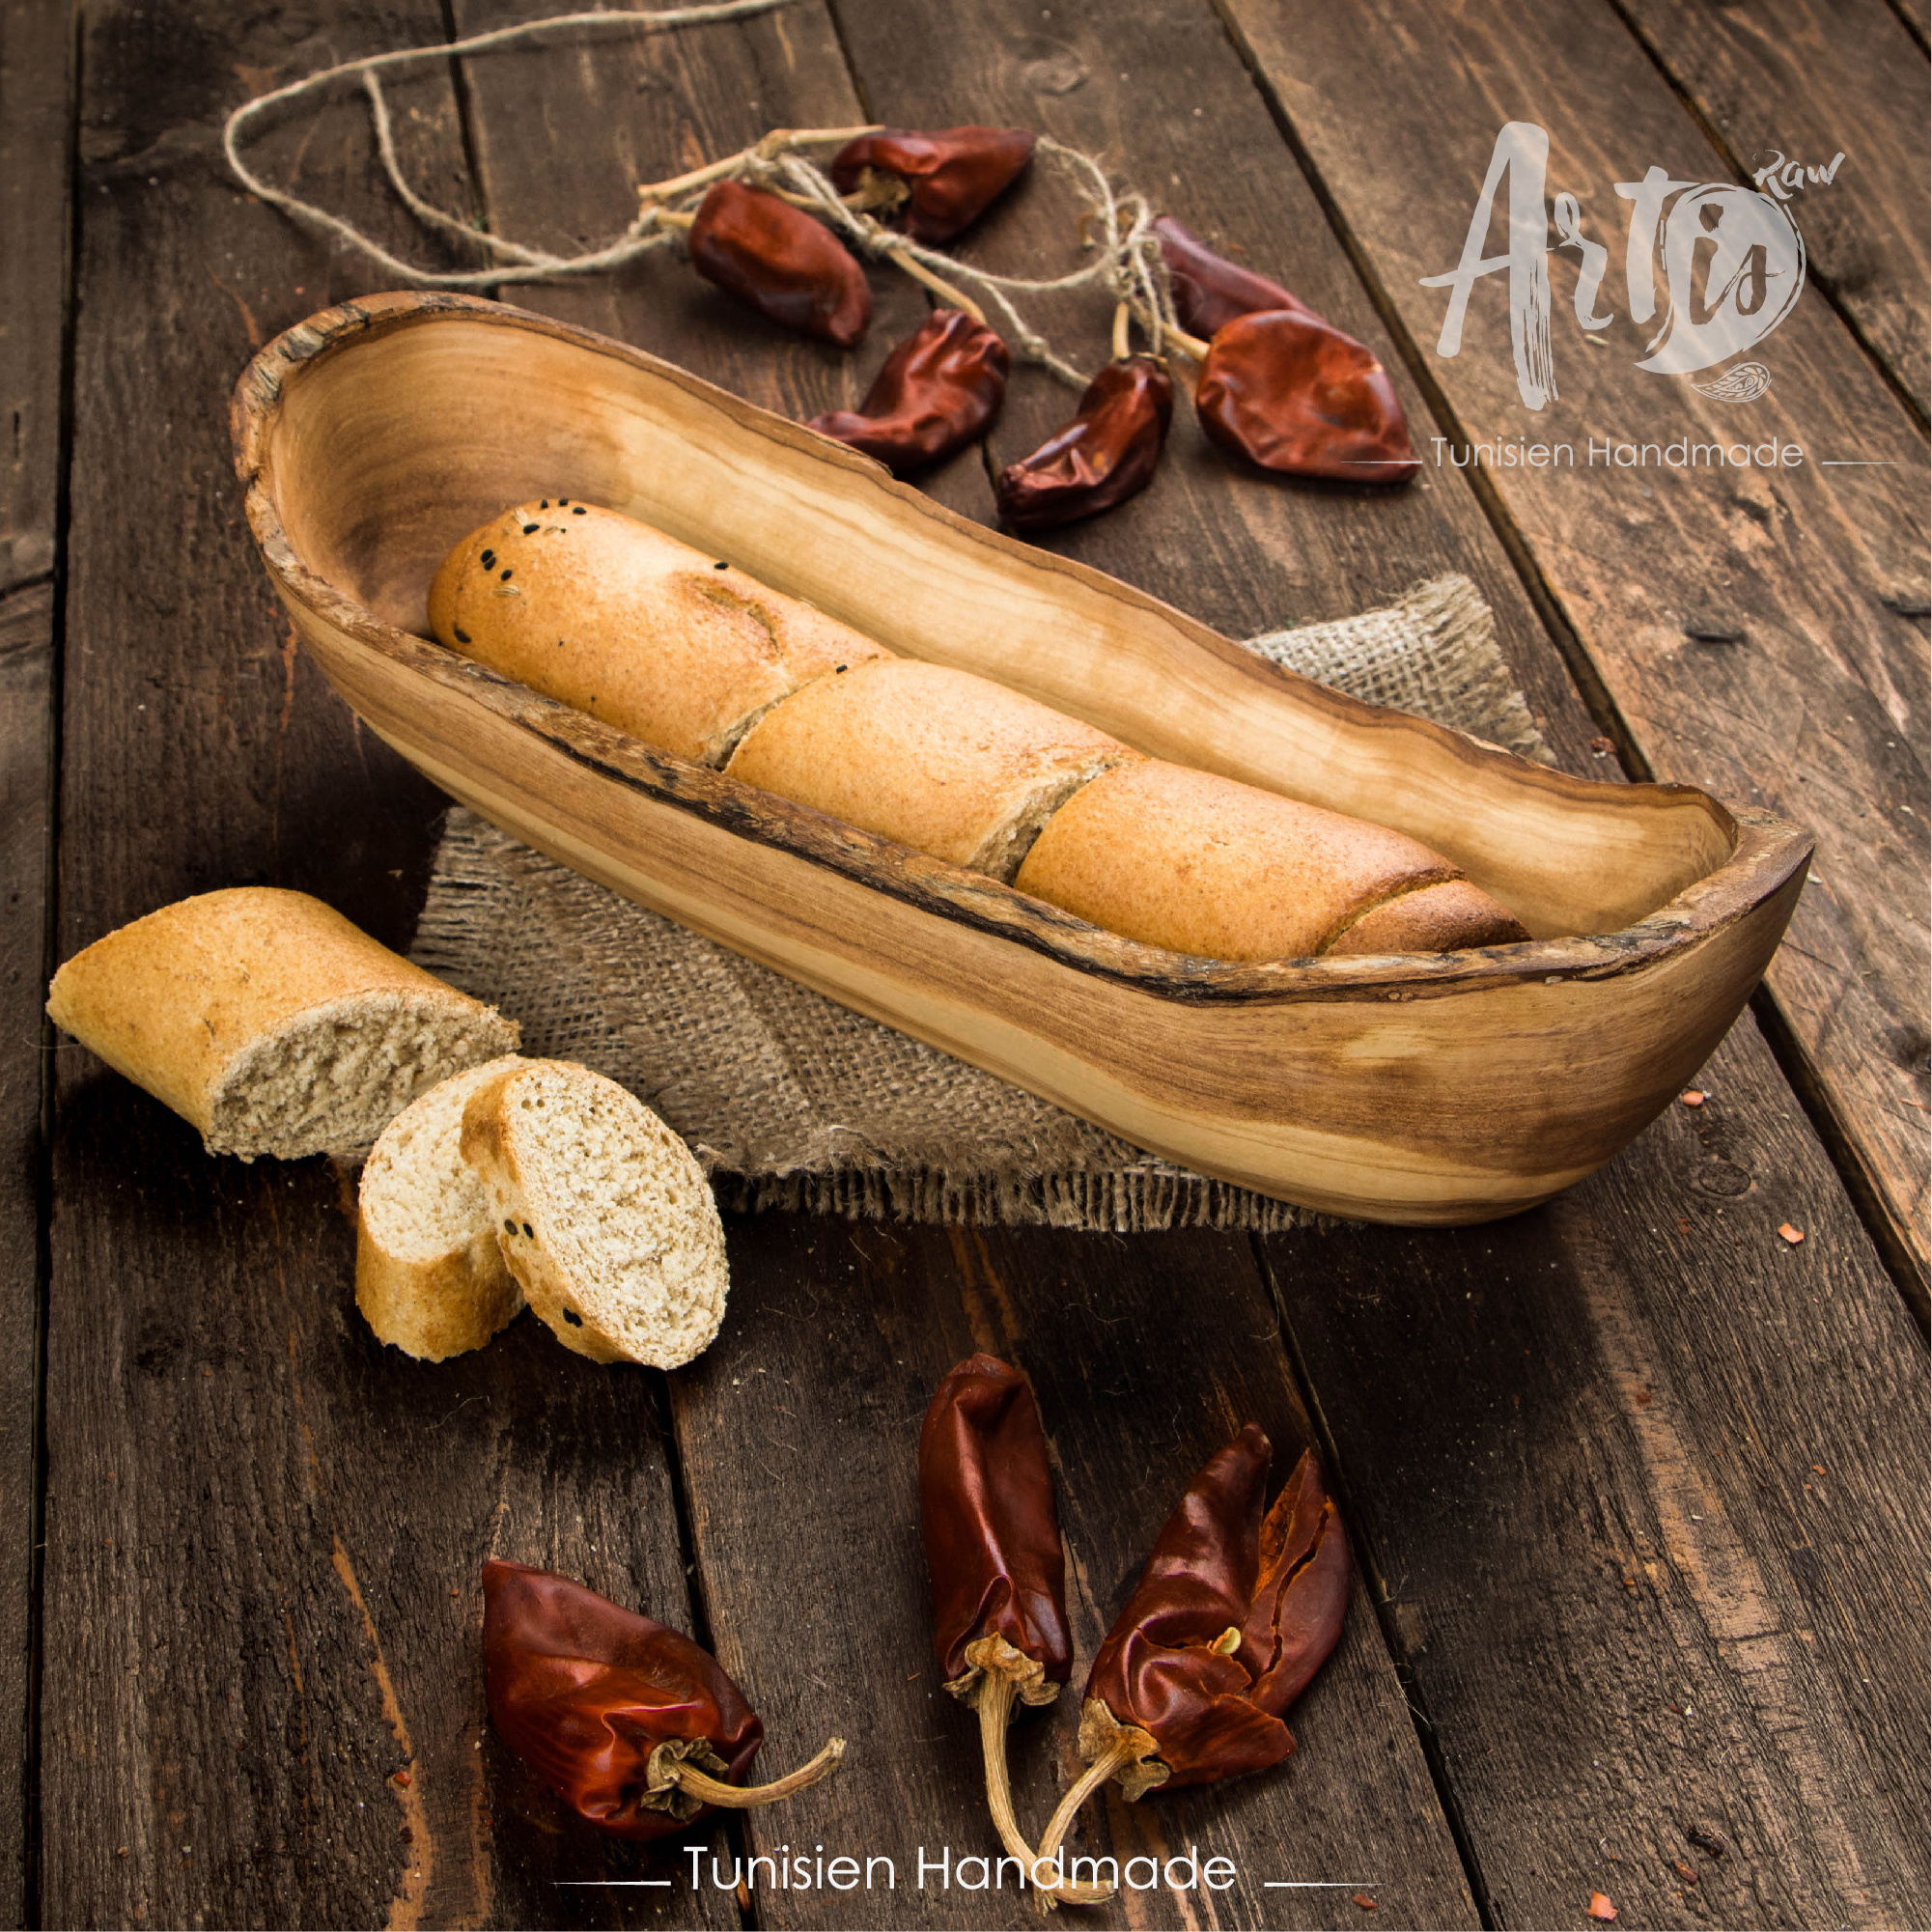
{"points": [[1422, 1088]]}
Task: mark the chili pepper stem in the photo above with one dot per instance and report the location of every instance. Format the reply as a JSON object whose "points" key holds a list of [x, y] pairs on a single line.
{"points": [[749, 1797], [994, 1701], [669, 218], [953, 297], [1121, 313], [763, 148], [1089, 1782], [1189, 345]]}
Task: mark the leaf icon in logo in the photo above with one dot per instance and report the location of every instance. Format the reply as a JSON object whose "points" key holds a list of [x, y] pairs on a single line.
{"points": [[1742, 383]]}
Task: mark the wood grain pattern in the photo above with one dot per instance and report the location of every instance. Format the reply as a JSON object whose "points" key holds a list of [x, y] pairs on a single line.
{"points": [[1819, 712], [744, 1451], [36, 111], [35, 131], [1393, 1358], [664, 103], [1630, 1604], [815, 1392], [26, 688], [364, 445], [1807, 82], [1162, 98], [257, 1518]]}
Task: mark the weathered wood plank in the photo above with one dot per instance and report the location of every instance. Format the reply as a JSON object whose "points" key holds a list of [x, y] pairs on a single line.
{"points": [[801, 1429], [1817, 704], [665, 103], [1508, 1826], [1158, 95], [26, 684], [35, 109], [733, 84], [1809, 81], [1645, 1491], [265, 1531], [36, 128]]}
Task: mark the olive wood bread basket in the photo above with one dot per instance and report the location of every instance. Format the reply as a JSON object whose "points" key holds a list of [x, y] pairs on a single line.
{"points": [[1422, 1088]]}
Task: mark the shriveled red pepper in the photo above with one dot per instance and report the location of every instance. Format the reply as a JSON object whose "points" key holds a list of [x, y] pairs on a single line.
{"points": [[940, 181], [1209, 289], [940, 388], [998, 1568], [1231, 1617], [778, 258], [1107, 454], [632, 1726], [1284, 390]]}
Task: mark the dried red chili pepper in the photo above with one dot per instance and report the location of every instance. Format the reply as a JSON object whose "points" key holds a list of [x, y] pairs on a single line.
{"points": [[941, 387], [1209, 289], [1231, 1617], [633, 1726], [778, 258], [1107, 454], [998, 1568], [1287, 391], [949, 176]]}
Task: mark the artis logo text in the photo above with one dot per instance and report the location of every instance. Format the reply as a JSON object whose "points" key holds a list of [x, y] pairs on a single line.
{"points": [[1732, 261]]}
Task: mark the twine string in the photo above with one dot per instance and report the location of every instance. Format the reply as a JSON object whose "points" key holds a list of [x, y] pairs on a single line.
{"points": [[1125, 262]]}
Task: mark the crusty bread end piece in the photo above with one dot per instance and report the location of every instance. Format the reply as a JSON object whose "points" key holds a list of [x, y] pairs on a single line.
{"points": [[603, 1214], [270, 1022], [1207, 865], [429, 1274], [671, 644]]}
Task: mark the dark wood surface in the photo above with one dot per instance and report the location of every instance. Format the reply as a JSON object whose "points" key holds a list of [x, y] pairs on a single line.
{"points": [[1810, 82], [1814, 575], [1604, 1597], [35, 123]]}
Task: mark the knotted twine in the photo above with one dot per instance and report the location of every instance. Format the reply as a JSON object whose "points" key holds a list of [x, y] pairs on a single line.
{"points": [[789, 1100], [1116, 228]]}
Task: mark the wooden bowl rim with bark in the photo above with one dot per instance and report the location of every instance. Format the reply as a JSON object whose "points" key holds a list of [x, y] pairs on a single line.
{"points": [[1764, 850]]}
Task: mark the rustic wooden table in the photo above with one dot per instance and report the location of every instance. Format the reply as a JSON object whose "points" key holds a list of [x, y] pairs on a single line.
{"points": [[1638, 1492]]}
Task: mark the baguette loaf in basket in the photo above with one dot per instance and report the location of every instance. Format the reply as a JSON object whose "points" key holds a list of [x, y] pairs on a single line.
{"points": [[690, 655]]}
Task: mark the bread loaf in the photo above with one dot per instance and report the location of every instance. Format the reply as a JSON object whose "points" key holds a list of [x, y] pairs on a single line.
{"points": [[270, 1022], [602, 1214], [605, 613], [1183, 859], [940, 759], [429, 1274]]}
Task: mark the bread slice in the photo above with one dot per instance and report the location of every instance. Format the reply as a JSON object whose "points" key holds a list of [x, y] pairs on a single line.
{"points": [[948, 763], [429, 1274], [270, 1022], [605, 1218]]}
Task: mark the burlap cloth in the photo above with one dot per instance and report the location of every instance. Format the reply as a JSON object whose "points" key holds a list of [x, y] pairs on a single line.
{"points": [[792, 1102]]}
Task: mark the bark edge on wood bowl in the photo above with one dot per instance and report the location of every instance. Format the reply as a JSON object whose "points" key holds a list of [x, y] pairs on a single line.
{"points": [[1423, 1088]]}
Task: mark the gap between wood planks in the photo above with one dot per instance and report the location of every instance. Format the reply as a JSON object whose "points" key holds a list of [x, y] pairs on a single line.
{"points": [[1379, 1593], [62, 165], [1827, 286], [1827, 1119]]}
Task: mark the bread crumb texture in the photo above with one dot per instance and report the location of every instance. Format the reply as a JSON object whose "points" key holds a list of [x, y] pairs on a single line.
{"points": [[602, 1214], [430, 1276], [270, 1022], [331, 1079]]}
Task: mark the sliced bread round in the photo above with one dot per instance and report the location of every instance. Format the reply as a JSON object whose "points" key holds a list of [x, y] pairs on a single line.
{"points": [[430, 1275], [605, 1218]]}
